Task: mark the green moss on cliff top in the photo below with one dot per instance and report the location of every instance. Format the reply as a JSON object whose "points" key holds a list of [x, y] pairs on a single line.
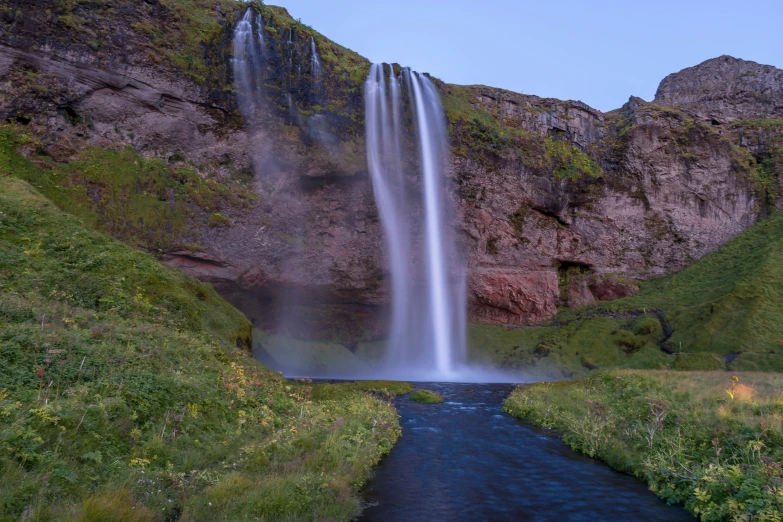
{"points": [[487, 136]]}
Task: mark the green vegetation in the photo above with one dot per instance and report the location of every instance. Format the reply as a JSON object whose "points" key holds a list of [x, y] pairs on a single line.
{"points": [[765, 137], [729, 302], [143, 202], [426, 397], [698, 361], [385, 389], [485, 136], [127, 392], [568, 162], [218, 220], [709, 441], [568, 349]]}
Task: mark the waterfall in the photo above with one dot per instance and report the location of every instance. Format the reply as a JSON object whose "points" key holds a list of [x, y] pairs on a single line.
{"points": [[249, 52], [427, 275], [315, 62]]}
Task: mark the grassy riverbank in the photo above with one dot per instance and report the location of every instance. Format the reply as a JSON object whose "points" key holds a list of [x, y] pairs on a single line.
{"points": [[127, 393], [708, 440], [725, 310]]}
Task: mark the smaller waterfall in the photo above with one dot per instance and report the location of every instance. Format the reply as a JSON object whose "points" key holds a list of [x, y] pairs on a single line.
{"points": [[260, 33], [315, 62], [249, 53]]}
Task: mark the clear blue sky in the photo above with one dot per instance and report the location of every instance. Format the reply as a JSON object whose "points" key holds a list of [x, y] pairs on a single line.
{"points": [[599, 51]]}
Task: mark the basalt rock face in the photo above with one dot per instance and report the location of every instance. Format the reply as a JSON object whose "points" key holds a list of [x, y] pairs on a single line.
{"points": [[725, 89], [558, 204], [668, 191]]}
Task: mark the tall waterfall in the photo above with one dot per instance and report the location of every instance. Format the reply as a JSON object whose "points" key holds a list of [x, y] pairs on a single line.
{"points": [[427, 274]]}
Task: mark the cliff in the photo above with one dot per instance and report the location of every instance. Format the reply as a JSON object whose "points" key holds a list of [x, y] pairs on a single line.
{"points": [[558, 203]]}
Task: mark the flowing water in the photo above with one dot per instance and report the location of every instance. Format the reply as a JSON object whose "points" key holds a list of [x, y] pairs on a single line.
{"points": [[315, 61], [249, 50], [466, 460], [427, 330]]}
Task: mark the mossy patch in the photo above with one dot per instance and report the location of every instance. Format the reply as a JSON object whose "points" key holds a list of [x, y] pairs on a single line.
{"points": [[770, 361], [426, 396], [699, 361], [218, 220], [386, 387]]}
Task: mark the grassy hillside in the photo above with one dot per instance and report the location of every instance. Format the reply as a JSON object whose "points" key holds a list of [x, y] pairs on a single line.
{"points": [[707, 440], [126, 392], [729, 303], [147, 203]]}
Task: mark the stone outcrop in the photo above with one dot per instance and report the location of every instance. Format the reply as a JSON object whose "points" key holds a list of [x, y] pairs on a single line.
{"points": [[725, 89], [558, 204]]}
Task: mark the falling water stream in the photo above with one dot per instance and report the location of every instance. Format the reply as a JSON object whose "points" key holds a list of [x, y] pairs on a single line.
{"points": [[315, 61], [249, 51], [427, 274]]}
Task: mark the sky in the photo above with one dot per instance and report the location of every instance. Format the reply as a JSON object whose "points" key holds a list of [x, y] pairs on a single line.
{"points": [[598, 51]]}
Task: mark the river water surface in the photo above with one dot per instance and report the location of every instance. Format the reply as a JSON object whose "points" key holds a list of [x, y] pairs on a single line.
{"points": [[466, 460]]}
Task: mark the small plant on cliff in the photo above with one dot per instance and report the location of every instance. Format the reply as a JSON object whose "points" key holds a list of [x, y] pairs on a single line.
{"points": [[218, 220]]}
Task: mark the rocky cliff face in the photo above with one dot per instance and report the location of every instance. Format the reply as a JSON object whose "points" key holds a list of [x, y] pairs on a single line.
{"points": [[725, 89], [558, 203]]}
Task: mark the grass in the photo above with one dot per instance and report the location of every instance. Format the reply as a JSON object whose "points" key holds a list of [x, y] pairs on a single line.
{"points": [[386, 389], [729, 303], [143, 202], [707, 440], [426, 397], [127, 392]]}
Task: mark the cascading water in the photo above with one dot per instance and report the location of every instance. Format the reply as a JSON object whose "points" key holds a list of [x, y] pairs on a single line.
{"points": [[249, 52], [427, 275], [315, 62]]}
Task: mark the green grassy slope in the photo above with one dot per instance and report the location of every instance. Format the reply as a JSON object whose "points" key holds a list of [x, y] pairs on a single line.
{"points": [[729, 302], [143, 202], [702, 439], [126, 392]]}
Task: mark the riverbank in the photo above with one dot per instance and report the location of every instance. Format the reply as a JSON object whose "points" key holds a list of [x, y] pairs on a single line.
{"points": [[127, 391], [711, 441]]}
